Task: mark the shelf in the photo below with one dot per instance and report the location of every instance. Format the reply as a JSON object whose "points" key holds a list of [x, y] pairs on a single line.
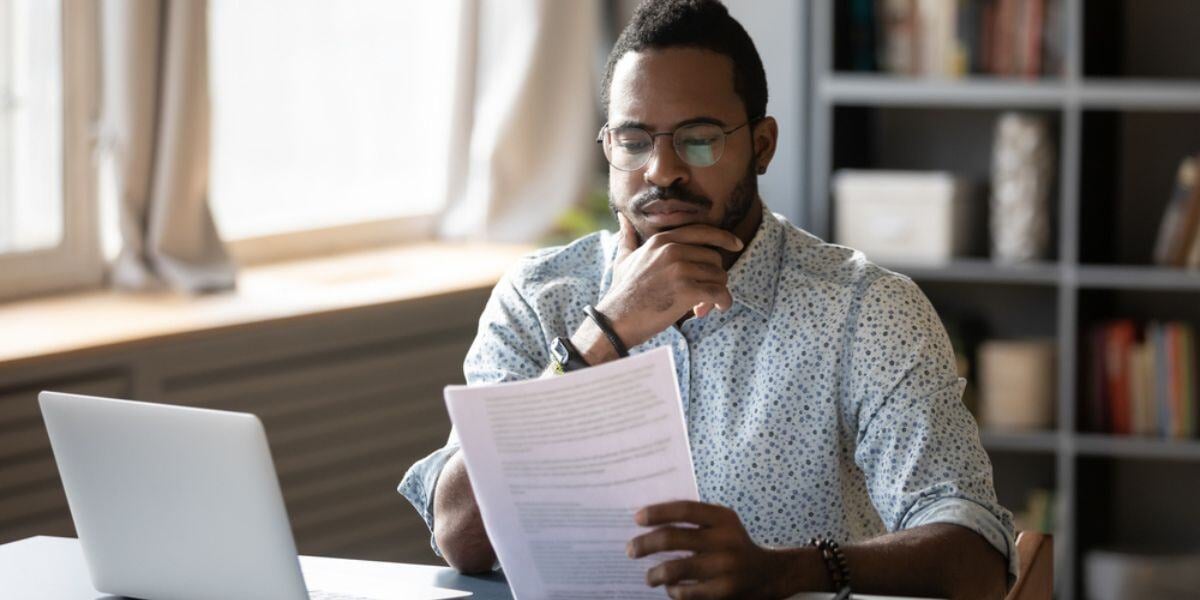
{"points": [[980, 270], [1022, 441], [1136, 277], [1093, 444], [995, 92], [982, 92], [1140, 94]]}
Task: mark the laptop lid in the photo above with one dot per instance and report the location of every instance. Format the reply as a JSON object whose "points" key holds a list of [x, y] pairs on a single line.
{"points": [[172, 501]]}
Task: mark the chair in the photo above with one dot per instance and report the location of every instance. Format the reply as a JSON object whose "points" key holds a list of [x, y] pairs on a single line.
{"points": [[1035, 578]]}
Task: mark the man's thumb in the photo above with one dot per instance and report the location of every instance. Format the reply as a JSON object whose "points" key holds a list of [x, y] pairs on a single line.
{"points": [[628, 241]]}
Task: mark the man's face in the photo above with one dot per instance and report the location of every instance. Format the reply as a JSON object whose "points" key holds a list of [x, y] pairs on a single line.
{"points": [[659, 90]]}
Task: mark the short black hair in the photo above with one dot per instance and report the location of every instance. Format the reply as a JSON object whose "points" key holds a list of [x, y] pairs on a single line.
{"points": [[706, 24]]}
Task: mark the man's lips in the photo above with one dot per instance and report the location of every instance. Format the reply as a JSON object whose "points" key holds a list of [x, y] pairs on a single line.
{"points": [[671, 213], [667, 207]]}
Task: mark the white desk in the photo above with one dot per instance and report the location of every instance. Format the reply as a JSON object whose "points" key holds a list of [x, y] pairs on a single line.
{"points": [[53, 568]]}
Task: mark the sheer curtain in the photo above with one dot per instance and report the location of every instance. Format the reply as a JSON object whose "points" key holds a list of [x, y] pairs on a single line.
{"points": [[525, 114], [155, 123]]}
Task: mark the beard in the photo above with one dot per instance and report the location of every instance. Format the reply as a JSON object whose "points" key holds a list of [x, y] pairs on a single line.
{"points": [[741, 199]]}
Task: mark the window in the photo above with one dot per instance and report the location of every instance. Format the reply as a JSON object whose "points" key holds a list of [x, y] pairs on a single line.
{"points": [[48, 235], [328, 114], [30, 126]]}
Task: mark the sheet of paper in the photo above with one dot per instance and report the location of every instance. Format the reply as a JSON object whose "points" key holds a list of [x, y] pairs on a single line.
{"points": [[374, 580], [560, 464]]}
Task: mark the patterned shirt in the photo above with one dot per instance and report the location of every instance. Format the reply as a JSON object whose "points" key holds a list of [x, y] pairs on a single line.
{"points": [[824, 402]]}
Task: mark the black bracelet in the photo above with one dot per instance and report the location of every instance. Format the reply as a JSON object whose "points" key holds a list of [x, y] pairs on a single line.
{"points": [[606, 327], [835, 563]]}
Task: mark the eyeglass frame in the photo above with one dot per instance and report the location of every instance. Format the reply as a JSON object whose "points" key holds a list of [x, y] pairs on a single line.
{"points": [[654, 137]]}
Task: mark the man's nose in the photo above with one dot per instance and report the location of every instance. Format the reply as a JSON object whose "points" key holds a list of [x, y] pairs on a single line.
{"points": [[664, 167]]}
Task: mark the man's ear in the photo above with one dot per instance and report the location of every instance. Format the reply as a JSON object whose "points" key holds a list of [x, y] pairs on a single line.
{"points": [[765, 135]]}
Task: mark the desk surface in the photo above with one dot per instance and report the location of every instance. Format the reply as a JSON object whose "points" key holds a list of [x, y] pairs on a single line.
{"points": [[53, 568]]}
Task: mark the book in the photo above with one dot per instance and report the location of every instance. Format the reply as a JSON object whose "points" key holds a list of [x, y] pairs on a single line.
{"points": [[1158, 337], [1173, 392], [1032, 55], [862, 35], [1142, 381], [1177, 232], [954, 38], [1187, 384], [1118, 343], [1141, 400], [1095, 411]]}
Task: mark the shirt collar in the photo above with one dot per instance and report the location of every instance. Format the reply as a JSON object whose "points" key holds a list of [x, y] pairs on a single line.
{"points": [[755, 275]]}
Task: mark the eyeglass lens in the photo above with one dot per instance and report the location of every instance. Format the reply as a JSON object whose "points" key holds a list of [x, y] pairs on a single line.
{"points": [[699, 145]]}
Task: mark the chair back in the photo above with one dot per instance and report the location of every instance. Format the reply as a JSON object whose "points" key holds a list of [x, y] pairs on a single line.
{"points": [[1035, 577]]}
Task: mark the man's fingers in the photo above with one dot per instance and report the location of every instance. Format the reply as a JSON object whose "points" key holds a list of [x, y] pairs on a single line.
{"points": [[682, 511], [705, 590], [700, 567], [677, 252], [716, 293], [667, 539], [701, 272], [701, 235]]}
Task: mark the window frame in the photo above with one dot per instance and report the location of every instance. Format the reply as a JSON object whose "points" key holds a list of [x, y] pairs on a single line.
{"points": [[77, 261], [324, 241]]}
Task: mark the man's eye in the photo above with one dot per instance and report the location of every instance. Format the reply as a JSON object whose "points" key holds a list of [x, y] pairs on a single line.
{"points": [[633, 146]]}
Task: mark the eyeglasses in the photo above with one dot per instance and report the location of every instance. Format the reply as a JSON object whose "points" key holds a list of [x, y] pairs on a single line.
{"points": [[697, 144]]}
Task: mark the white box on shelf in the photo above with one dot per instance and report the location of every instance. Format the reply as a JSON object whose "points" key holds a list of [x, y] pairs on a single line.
{"points": [[1017, 384], [911, 217]]}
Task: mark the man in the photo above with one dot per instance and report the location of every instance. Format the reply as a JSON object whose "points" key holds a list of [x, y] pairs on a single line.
{"points": [[819, 389]]}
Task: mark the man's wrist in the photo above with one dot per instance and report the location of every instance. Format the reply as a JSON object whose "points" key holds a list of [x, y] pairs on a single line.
{"points": [[593, 344], [803, 570]]}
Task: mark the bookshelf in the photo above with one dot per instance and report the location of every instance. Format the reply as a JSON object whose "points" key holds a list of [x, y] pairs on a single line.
{"points": [[1124, 107]]}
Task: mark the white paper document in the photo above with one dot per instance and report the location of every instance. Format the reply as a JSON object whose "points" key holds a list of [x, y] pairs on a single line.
{"points": [[559, 465]]}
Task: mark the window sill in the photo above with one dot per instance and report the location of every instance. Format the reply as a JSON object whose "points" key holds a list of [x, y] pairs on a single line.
{"points": [[96, 321]]}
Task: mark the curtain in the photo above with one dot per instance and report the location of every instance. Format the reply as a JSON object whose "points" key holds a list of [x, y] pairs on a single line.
{"points": [[525, 117], [155, 122]]}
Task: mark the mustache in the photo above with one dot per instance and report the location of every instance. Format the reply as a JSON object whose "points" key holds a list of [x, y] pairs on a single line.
{"points": [[673, 192]]}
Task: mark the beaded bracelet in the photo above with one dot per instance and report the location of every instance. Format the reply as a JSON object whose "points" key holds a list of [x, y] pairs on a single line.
{"points": [[835, 563], [606, 328]]}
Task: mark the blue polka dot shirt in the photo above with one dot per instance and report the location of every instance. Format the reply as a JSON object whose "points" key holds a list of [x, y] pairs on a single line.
{"points": [[824, 402]]}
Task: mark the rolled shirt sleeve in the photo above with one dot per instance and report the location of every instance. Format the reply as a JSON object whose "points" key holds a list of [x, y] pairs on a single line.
{"points": [[509, 346], [916, 444]]}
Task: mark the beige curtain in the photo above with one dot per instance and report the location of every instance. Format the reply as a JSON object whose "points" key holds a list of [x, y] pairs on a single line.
{"points": [[525, 117], [156, 124]]}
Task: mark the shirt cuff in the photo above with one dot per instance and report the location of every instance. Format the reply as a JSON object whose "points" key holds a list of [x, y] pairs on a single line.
{"points": [[973, 516], [420, 483]]}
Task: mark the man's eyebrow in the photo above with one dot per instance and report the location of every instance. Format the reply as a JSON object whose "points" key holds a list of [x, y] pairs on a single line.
{"points": [[691, 121]]}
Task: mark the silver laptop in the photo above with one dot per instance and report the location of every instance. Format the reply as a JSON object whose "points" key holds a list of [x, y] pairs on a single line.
{"points": [[174, 502]]}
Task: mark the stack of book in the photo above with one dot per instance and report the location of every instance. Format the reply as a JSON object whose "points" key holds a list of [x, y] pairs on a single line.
{"points": [[953, 38], [1178, 242], [1142, 381]]}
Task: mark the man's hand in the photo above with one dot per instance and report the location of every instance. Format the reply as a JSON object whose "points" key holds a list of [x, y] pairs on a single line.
{"points": [[657, 283], [725, 563], [457, 524]]}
